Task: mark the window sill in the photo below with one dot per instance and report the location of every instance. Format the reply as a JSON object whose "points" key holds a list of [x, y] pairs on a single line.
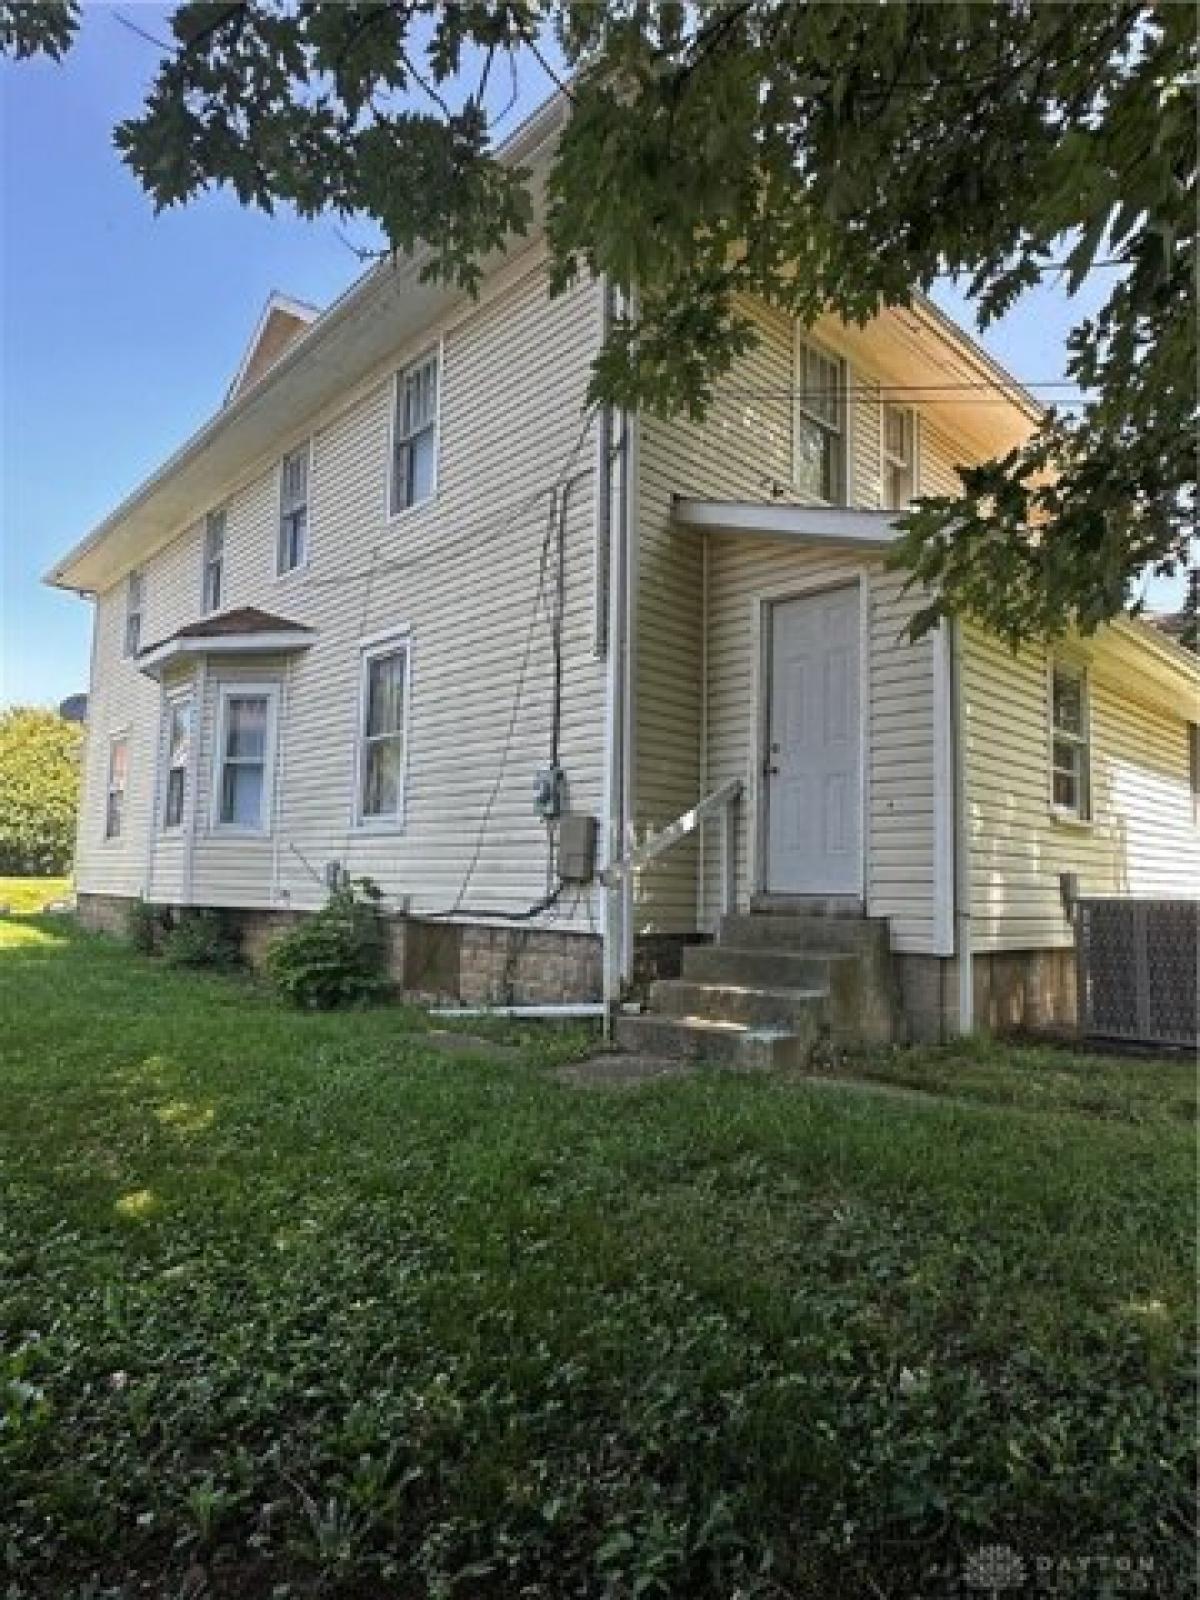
{"points": [[226, 830], [1071, 819], [406, 513], [367, 828], [292, 572]]}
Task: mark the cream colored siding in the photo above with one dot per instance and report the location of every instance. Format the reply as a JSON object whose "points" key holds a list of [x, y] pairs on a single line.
{"points": [[1142, 838], [463, 574], [744, 452]]}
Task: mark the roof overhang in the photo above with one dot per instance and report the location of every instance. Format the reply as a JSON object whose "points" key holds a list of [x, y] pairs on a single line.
{"points": [[188, 647], [822, 525]]}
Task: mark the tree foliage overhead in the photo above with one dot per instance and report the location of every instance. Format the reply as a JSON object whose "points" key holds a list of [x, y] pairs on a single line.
{"points": [[39, 790], [820, 156]]}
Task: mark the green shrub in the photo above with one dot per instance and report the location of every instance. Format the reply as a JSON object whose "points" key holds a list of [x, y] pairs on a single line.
{"points": [[336, 956], [39, 790], [143, 926], [201, 939]]}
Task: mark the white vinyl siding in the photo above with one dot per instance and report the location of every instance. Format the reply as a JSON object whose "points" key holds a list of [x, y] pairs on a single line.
{"points": [[1141, 839], [744, 452], [293, 510], [382, 736], [463, 575], [213, 577], [414, 435]]}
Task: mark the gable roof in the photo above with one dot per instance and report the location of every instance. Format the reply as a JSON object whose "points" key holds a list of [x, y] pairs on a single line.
{"points": [[281, 322]]}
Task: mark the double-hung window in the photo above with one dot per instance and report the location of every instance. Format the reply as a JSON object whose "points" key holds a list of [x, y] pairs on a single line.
{"points": [[414, 434], [245, 746], [135, 600], [178, 742], [383, 720], [293, 511], [1194, 768], [1070, 754], [214, 560], [820, 425], [118, 782], [899, 456]]}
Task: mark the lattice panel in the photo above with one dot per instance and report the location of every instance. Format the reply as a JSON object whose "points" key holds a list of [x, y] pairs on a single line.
{"points": [[1138, 969]]}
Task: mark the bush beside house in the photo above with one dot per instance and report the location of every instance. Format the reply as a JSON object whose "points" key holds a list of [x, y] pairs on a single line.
{"points": [[39, 790]]}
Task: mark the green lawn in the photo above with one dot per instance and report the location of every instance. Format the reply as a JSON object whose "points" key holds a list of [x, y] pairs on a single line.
{"points": [[23, 895], [299, 1305]]}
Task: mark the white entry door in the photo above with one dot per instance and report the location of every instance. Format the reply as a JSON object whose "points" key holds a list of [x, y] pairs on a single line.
{"points": [[814, 759]]}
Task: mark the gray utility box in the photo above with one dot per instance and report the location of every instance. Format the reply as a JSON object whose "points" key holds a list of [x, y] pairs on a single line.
{"points": [[576, 847]]}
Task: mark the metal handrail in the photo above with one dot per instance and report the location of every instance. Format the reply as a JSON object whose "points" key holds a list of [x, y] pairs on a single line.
{"points": [[723, 800]]}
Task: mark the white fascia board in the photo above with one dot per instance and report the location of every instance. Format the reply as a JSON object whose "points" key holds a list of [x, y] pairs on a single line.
{"points": [[227, 644], [832, 525]]}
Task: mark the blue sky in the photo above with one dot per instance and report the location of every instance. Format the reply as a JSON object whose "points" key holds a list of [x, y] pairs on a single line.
{"points": [[120, 330]]}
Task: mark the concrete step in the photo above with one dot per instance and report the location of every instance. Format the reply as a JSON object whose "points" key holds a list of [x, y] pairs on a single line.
{"points": [[756, 1007], [729, 1044], [763, 968], [804, 931]]}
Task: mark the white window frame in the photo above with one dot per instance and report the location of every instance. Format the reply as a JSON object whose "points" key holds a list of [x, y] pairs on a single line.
{"points": [[434, 354], [135, 612], [840, 432], [370, 650], [246, 691], [215, 519], [888, 459], [1080, 814], [1193, 733], [177, 700], [116, 737], [305, 449]]}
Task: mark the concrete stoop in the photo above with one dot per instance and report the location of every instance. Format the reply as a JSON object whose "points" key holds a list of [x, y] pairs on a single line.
{"points": [[775, 987]]}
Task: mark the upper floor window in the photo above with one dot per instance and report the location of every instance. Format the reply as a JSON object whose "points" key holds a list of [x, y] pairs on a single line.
{"points": [[118, 782], [383, 706], [214, 560], [1070, 740], [899, 456], [1194, 768], [245, 742], [820, 429], [293, 510], [414, 434], [135, 599], [178, 747]]}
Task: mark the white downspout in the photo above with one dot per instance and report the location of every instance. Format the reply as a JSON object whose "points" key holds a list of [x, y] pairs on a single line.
{"points": [[962, 841], [629, 539], [613, 473]]}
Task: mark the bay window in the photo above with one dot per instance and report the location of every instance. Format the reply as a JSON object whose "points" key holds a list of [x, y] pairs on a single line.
{"points": [[178, 741]]}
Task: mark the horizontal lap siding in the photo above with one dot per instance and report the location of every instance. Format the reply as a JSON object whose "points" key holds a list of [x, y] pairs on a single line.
{"points": [[1142, 840], [461, 577], [744, 452]]}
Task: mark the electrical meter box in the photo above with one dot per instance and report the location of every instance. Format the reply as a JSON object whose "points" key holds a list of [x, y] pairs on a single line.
{"points": [[576, 847]]}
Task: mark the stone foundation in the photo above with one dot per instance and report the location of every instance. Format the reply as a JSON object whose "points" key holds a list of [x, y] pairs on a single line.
{"points": [[435, 961], [1015, 991]]}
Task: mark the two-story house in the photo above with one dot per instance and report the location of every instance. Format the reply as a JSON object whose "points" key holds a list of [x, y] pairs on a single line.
{"points": [[406, 608]]}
